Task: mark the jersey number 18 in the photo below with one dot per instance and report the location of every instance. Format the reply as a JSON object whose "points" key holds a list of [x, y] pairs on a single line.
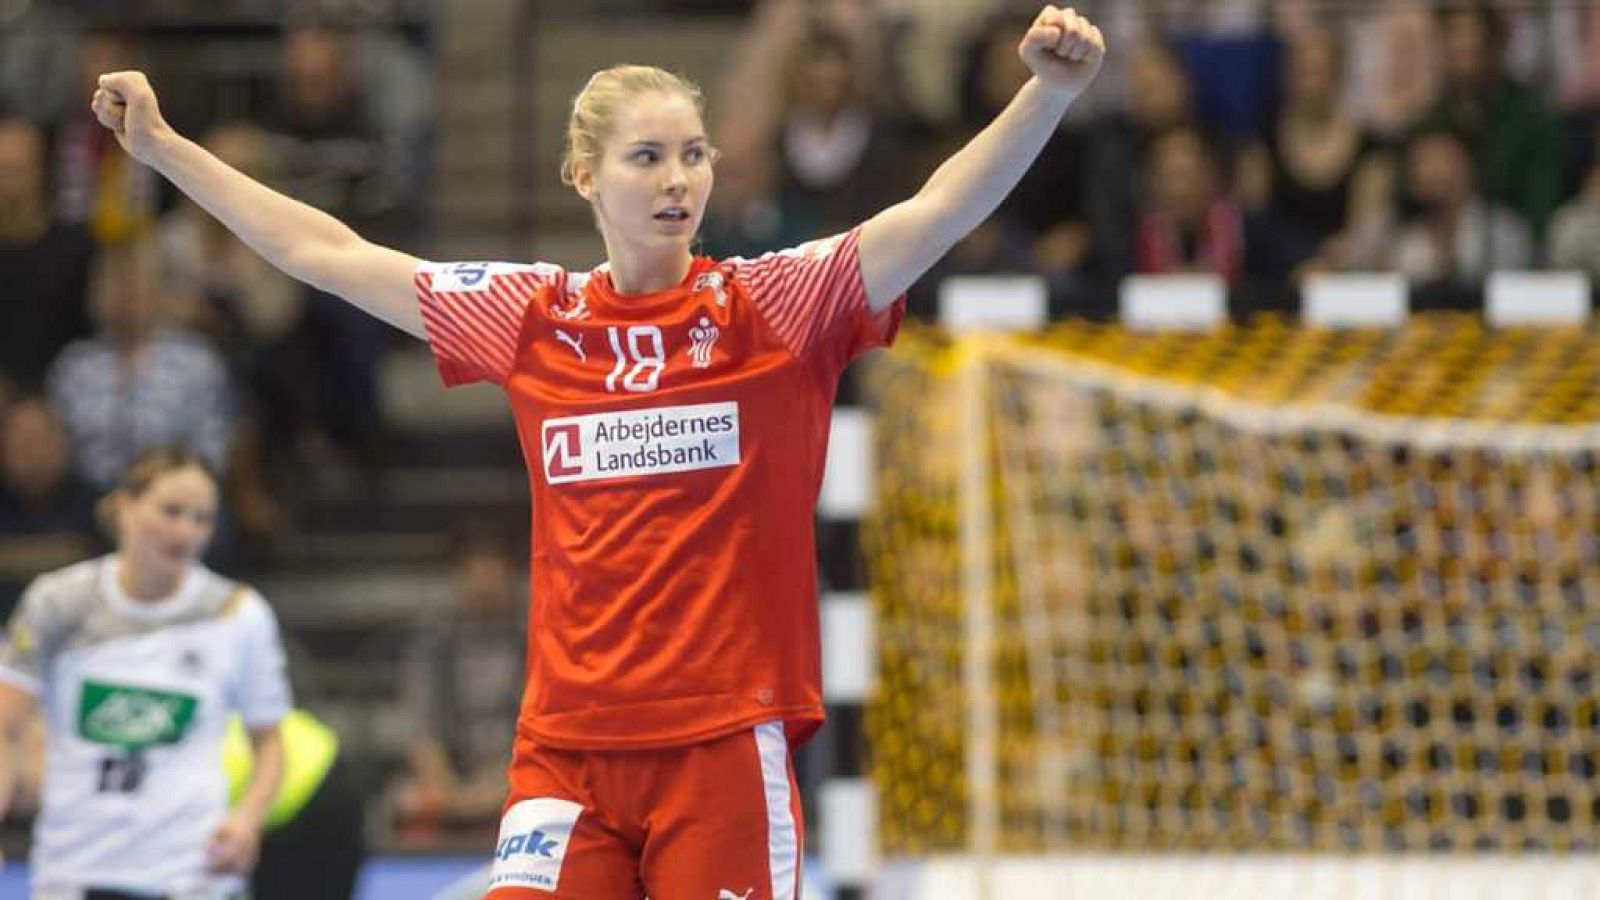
{"points": [[645, 350], [122, 774]]}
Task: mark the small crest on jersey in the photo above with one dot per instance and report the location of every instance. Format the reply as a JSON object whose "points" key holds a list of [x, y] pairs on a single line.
{"points": [[534, 835], [702, 338], [714, 282], [574, 311], [191, 662]]}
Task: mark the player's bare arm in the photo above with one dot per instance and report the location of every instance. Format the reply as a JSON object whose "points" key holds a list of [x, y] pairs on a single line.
{"points": [[16, 705], [304, 242], [1064, 51], [236, 843]]}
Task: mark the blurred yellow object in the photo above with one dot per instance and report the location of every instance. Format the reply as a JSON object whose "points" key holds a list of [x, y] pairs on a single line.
{"points": [[309, 749]]}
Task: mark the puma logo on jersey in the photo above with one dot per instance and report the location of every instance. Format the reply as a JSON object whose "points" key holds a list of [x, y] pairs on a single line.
{"points": [[576, 343], [726, 894]]}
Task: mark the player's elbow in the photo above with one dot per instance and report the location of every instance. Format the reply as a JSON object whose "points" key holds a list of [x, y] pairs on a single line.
{"points": [[324, 264]]}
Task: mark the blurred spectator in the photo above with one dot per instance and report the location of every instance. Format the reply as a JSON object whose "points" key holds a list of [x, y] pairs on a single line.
{"points": [[1233, 79], [1042, 225], [1189, 222], [743, 215], [95, 182], [990, 75], [800, 154], [217, 284], [139, 381], [992, 71], [1119, 149], [1519, 146], [1576, 31], [253, 312], [1556, 44], [1323, 182], [1394, 80], [841, 162], [46, 513], [1456, 236], [1575, 232], [348, 146], [43, 265], [754, 80], [465, 679], [922, 46], [37, 44], [331, 153]]}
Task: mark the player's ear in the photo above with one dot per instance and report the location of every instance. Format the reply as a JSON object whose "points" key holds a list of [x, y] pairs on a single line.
{"points": [[583, 180]]}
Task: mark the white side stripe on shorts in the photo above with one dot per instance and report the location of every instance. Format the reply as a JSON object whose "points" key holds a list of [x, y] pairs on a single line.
{"points": [[783, 838]]}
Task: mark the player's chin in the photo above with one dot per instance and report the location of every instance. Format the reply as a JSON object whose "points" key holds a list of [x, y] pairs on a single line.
{"points": [[681, 236]]}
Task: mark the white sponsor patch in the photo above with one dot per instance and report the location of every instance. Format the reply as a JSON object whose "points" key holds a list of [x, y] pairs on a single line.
{"points": [[534, 835], [477, 277], [641, 442], [462, 278]]}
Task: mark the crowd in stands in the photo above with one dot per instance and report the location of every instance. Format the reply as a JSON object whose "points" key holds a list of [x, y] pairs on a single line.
{"points": [[1258, 141], [130, 319]]}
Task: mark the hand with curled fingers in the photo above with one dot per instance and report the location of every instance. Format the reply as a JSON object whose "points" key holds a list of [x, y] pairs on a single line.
{"points": [[235, 845], [125, 103], [1063, 49]]}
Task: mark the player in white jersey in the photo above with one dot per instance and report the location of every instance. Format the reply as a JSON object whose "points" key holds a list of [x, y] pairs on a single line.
{"points": [[137, 659]]}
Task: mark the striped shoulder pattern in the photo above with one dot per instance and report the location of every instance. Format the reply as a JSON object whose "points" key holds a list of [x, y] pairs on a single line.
{"points": [[474, 312], [805, 291]]}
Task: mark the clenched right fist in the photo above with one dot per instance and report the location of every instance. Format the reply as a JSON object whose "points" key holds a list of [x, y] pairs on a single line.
{"points": [[125, 103]]}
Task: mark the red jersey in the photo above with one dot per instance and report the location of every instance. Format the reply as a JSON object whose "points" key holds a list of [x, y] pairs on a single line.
{"points": [[675, 444]]}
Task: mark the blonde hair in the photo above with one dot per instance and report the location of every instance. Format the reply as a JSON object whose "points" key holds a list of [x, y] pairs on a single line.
{"points": [[594, 110]]}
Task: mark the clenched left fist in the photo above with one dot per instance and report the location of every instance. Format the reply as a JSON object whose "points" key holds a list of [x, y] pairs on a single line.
{"points": [[1063, 49]]}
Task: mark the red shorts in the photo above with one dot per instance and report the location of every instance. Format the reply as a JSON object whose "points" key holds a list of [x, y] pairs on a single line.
{"points": [[718, 820]]}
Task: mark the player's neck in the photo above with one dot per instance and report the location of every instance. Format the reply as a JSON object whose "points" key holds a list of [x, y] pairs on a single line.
{"points": [[647, 273], [145, 585]]}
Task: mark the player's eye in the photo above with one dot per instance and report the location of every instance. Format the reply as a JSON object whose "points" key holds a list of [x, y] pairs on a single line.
{"points": [[644, 155], [694, 156]]}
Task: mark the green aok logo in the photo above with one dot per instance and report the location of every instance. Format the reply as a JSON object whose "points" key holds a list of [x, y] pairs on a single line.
{"points": [[131, 717]]}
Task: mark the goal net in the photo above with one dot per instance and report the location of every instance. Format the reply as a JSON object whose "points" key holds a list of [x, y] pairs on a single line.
{"points": [[1267, 589]]}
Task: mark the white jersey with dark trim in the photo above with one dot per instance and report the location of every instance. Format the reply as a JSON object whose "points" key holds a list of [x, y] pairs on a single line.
{"points": [[136, 696]]}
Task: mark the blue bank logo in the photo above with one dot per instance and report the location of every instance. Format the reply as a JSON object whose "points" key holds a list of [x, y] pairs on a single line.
{"points": [[469, 274], [534, 843]]}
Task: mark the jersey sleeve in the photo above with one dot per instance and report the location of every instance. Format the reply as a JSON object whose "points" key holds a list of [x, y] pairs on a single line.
{"points": [[814, 297], [30, 639], [473, 314], [261, 691]]}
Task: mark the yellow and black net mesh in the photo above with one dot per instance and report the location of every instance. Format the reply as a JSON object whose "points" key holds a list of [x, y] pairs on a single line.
{"points": [[1262, 589]]}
